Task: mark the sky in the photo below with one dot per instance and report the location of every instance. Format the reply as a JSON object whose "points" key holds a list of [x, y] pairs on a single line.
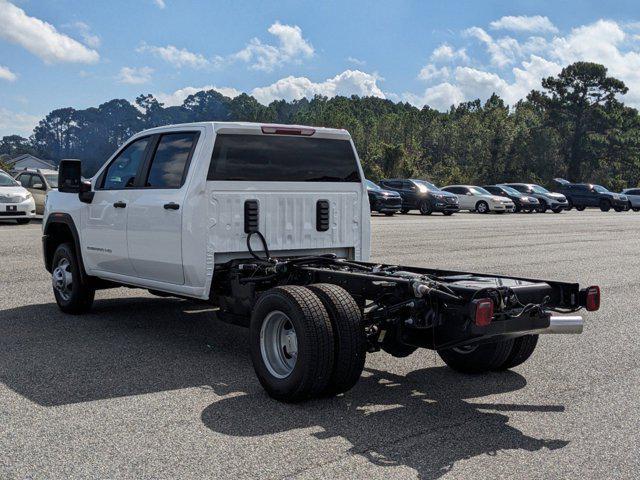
{"points": [[73, 53]]}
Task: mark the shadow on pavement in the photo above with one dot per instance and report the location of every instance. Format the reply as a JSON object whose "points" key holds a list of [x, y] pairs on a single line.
{"points": [[427, 420]]}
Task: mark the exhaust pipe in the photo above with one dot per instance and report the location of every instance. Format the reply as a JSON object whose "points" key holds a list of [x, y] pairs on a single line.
{"points": [[563, 324]]}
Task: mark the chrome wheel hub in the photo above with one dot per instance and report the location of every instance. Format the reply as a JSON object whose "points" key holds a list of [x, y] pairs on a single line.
{"points": [[62, 279], [278, 344]]}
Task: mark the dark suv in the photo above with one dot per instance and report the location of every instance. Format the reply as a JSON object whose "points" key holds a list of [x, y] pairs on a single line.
{"points": [[523, 202], [583, 195], [381, 200], [423, 196]]}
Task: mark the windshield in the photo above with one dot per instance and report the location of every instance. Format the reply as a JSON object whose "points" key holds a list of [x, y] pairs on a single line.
{"points": [[371, 186], [600, 189], [479, 191], [539, 189], [52, 179], [427, 185], [7, 181], [511, 191]]}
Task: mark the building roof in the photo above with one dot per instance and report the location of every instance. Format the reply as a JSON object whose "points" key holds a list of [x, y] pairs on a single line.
{"points": [[27, 156]]}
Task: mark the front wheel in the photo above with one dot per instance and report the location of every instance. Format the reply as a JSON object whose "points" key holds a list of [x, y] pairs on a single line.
{"points": [[636, 209], [404, 211], [605, 205], [557, 210], [292, 343], [425, 207], [477, 358], [448, 213], [581, 208], [72, 294], [542, 208], [482, 207]]}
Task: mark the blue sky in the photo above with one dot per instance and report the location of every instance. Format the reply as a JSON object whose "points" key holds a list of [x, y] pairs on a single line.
{"points": [[75, 53]]}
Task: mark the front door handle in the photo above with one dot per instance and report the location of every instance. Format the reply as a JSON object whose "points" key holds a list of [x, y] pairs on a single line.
{"points": [[119, 205], [171, 206]]}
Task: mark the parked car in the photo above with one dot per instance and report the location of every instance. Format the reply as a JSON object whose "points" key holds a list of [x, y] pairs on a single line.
{"points": [[523, 202], [38, 183], [583, 195], [633, 194], [16, 203], [548, 200], [381, 200], [477, 199], [423, 196]]}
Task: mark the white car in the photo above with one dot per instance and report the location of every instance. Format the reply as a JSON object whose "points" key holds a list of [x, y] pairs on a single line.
{"points": [[633, 194], [477, 199], [16, 203]]}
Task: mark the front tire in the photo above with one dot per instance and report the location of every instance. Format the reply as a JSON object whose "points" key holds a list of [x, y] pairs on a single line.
{"points": [[605, 205], [542, 208], [581, 208], [292, 343], [72, 295], [448, 213], [477, 358], [482, 207], [425, 207], [557, 210], [350, 344], [404, 211]]}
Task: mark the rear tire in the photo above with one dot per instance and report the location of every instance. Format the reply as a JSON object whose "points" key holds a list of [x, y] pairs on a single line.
{"points": [[350, 344], [605, 205], [292, 343], [448, 213], [580, 208], [522, 349], [404, 211], [542, 208], [477, 358], [636, 209], [23, 221], [557, 210], [389, 214], [72, 295]]}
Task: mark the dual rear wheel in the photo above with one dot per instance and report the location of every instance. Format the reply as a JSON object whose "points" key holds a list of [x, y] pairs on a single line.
{"points": [[307, 342]]}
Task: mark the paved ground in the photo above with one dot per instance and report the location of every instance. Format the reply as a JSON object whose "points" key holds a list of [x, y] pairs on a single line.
{"points": [[156, 388]]}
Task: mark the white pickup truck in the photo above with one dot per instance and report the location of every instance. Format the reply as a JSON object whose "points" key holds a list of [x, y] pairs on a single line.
{"points": [[270, 223]]}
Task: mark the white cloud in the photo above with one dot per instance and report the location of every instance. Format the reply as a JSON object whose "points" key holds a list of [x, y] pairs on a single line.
{"points": [[179, 96], [41, 38], [160, 4], [291, 48], [89, 39], [178, 57], [502, 51], [446, 53], [349, 82], [17, 123], [356, 61], [6, 74], [523, 23], [440, 97], [135, 76], [430, 72]]}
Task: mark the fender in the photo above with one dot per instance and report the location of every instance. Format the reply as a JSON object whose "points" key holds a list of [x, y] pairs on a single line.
{"points": [[65, 219]]}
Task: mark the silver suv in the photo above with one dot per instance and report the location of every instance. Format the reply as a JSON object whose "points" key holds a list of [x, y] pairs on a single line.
{"points": [[556, 202]]}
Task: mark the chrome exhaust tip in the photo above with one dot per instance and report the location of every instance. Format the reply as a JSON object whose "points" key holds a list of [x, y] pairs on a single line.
{"points": [[562, 324]]}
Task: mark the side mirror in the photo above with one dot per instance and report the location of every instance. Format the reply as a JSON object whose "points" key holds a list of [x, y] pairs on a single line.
{"points": [[69, 176], [86, 194], [19, 183]]}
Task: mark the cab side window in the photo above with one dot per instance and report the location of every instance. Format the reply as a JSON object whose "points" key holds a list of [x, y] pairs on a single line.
{"points": [[170, 161], [123, 170]]}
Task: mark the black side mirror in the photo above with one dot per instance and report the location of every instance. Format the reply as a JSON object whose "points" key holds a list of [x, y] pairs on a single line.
{"points": [[86, 194], [69, 176]]}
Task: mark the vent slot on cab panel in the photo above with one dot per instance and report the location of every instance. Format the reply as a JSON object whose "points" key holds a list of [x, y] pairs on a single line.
{"points": [[322, 215], [251, 216]]}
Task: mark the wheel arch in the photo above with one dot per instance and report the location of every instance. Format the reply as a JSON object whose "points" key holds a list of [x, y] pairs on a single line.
{"points": [[58, 229]]}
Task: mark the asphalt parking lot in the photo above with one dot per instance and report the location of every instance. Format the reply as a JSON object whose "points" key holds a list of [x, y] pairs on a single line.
{"points": [[156, 388]]}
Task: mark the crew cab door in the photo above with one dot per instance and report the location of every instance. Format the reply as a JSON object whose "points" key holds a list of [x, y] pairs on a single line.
{"points": [[104, 232], [154, 223]]}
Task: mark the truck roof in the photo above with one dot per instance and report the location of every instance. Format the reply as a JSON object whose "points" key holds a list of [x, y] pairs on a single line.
{"points": [[255, 128]]}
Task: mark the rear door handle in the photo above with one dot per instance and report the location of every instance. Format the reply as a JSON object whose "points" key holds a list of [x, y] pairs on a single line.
{"points": [[171, 206], [119, 205]]}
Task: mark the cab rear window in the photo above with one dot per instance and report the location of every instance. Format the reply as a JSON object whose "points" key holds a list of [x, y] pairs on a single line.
{"points": [[267, 158]]}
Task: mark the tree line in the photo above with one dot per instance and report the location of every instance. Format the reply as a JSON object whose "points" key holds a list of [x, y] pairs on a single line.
{"points": [[575, 126]]}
